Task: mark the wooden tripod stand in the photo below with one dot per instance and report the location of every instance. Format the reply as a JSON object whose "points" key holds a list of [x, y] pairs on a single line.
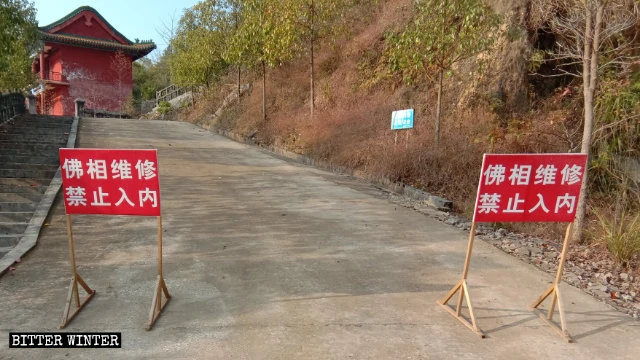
{"points": [[158, 304], [554, 292], [461, 287], [76, 279]]}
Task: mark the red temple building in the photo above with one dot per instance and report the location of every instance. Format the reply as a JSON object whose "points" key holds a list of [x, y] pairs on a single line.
{"points": [[84, 57]]}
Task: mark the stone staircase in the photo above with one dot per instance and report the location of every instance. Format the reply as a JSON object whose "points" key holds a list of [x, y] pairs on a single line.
{"points": [[28, 161]]}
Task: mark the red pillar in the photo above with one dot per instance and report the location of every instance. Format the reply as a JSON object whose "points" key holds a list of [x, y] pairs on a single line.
{"points": [[42, 94]]}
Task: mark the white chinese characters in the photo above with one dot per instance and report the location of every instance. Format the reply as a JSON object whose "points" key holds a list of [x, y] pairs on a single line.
{"points": [[72, 168], [97, 169], [96, 182], [76, 196], [495, 174], [528, 188]]}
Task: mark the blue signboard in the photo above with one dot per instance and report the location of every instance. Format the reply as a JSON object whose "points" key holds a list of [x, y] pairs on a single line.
{"points": [[402, 119]]}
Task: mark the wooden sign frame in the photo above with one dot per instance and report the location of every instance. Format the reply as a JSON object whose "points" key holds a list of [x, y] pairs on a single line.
{"points": [[462, 288], [554, 292], [157, 304], [573, 183]]}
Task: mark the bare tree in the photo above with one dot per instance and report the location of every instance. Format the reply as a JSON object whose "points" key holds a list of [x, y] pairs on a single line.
{"points": [[591, 35], [167, 31]]}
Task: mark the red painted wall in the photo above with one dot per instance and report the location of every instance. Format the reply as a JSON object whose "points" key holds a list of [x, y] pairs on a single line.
{"points": [[91, 74]]}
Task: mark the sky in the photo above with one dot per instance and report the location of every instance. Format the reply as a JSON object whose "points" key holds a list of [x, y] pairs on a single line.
{"points": [[135, 19]]}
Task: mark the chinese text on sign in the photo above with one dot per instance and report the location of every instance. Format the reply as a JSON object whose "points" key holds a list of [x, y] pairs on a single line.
{"points": [[402, 119], [112, 182], [529, 187]]}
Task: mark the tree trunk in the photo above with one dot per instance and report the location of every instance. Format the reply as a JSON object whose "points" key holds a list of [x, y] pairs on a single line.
{"points": [[439, 106], [593, 28], [264, 91], [236, 25], [312, 102]]}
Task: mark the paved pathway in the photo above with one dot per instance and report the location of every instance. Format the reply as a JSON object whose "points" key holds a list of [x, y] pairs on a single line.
{"points": [[267, 259]]}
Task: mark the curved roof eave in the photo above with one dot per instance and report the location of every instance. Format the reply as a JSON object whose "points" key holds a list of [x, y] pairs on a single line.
{"points": [[78, 11], [136, 50]]}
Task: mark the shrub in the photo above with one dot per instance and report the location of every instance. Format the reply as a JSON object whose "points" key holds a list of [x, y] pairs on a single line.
{"points": [[164, 107], [621, 235]]}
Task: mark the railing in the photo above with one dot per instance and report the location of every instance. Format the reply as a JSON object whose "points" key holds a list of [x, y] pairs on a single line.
{"points": [[55, 76], [11, 105], [171, 92]]}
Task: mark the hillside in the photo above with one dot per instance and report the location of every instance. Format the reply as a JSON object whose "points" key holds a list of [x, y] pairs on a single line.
{"points": [[354, 100], [500, 109]]}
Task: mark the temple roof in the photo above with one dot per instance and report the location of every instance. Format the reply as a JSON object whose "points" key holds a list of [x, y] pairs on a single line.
{"points": [[136, 50], [54, 33]]}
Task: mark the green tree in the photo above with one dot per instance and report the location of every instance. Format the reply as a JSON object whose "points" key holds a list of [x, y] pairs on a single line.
{"points": [[149, 77], [18, 42], [265, 38], [235, 14], [314, 20], [592, 36], [142, 89], [442, 33], [199, 44]]}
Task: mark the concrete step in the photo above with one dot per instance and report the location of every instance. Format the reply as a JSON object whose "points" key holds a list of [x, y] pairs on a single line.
{"points": [[51, 159], [39, 124], [41, 129], [33, 138], [17, 206], [37, 131], [38, 116], [13, 183], [20, 197], [11, 217], [16, 189], [15, 228], [27, 174], [27, 166], [29, 152], [35, 135], [35, 147], [4, 251], [9, 241], [23, 166], [41, 120]]}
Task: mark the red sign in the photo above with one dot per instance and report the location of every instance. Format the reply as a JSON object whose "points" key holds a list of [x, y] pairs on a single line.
{"points": [[111, 182], [529, 187]]}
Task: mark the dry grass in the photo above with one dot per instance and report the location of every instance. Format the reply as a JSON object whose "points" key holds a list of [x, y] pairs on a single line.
{"points": [[352, 119]]}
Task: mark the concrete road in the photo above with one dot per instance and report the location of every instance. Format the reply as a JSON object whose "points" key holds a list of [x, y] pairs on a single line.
{"points": [[267, 259]]}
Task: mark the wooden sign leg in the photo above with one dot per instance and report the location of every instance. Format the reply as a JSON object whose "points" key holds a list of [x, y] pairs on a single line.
{"points": [[554, 292], [158, 304], [461, 287], [74, 295]]}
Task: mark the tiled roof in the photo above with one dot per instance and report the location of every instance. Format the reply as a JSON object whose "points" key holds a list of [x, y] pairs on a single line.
{"points": [[78, 11], [136, 50]]}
